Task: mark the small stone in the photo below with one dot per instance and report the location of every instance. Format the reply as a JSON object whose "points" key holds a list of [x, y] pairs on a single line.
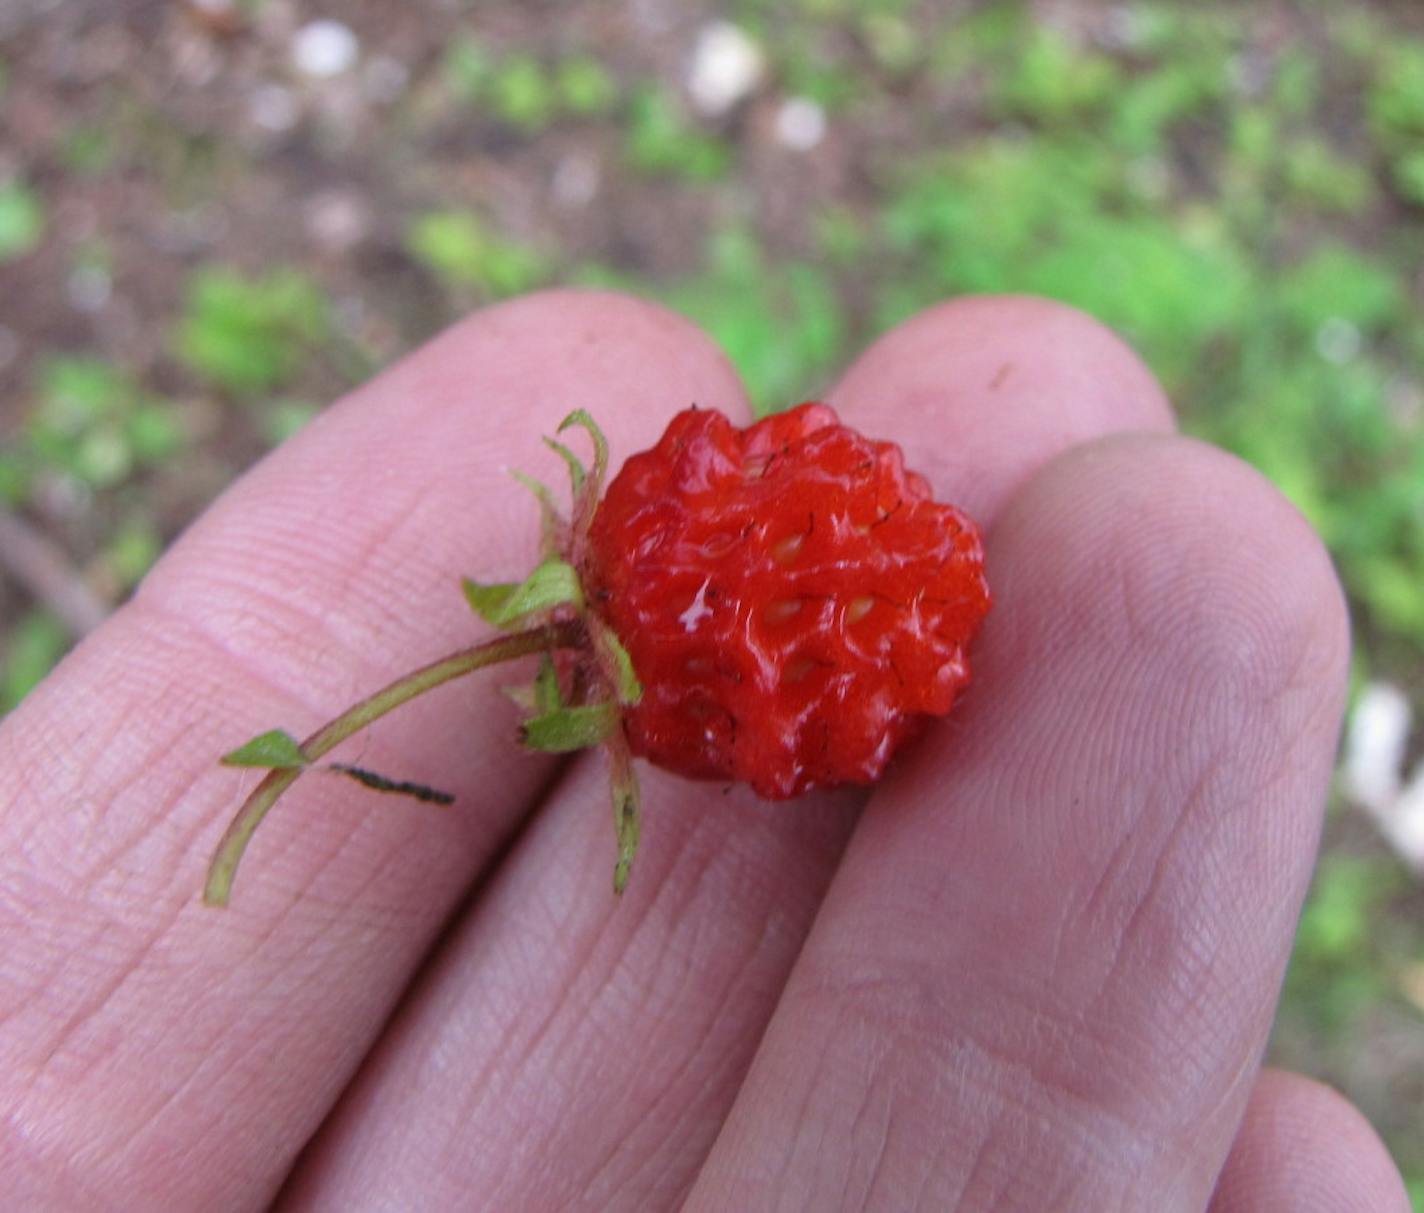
{"points": [[575, 181], [384, 79], [727, 66], [274, 108], [338, 220], [322, 49], [1375, 745], [800, 124], [9, 346], [195, 60], [1402, 823], [89, 288], [220, 17]]}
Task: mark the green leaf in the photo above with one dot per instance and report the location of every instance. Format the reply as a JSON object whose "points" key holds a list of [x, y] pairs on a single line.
{"points": [[522, 93], [1409, 175], [661, 141], [275, 749], [22, 220], [30, 651], [464, 252], [131, 552], [585, 87], [1334, 280], [249, 334], [488, 599], [567, 729], [467, 69], [554, 583]]}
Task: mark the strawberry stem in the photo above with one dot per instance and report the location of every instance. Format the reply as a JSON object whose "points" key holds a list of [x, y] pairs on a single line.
{"points": [[561, 635]]}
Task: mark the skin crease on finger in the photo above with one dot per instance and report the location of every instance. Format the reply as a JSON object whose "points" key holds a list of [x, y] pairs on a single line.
{"points": [[600, 1046], [1047, 966]]}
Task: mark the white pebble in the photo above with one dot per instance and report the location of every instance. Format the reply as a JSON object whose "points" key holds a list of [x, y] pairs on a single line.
{"points": [[1375, 745], [338, 220], [1402, 823], [273, 108], [800, 124], [325, 48], [726, 68], [384, 79], [89, 288], [576, 180]]}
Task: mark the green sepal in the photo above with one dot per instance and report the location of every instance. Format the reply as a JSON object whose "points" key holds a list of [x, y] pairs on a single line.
{"points": [[276, 750], [550, 520], [547, 695], [581, 418], [627, 824], [543, 694], [586, 499], [618, 665], [577, 473], [521, 696], [623, 784], [553, 583], [570, 728]]}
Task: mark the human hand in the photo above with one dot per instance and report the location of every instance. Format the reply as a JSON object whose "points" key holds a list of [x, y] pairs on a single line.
{"points": [[1034, 968]]}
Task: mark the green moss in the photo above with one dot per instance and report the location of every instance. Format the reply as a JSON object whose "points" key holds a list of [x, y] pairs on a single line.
{"points": [[523, 93], [22, 220], [34, 645], [462, 251], [246, 334], [661, 141]]}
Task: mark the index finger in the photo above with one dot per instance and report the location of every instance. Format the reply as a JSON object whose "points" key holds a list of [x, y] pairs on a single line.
{"points": [[139, 1028]]}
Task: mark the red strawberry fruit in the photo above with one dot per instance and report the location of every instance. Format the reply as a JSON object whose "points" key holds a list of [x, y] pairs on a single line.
{"points": [[781, 605], [793, 601]]}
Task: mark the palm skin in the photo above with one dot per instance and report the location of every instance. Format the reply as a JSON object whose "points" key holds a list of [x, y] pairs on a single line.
{"points": [[1034, 968]]}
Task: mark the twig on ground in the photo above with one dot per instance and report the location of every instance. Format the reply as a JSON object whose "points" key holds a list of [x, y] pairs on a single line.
{"points": [[47, 574]]}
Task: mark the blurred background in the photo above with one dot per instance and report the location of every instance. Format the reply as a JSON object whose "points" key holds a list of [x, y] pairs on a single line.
{"points": [[217, 215]]}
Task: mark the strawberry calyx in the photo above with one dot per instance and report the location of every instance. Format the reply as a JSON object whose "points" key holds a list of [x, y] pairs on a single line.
{"points": [[572, 704], [793, 598]]}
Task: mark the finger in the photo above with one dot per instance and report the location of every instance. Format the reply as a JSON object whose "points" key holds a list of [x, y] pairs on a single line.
{"points": [[1303, 1146], [156, 1047], [601, 1044], [982, 392], [1048, 963]]}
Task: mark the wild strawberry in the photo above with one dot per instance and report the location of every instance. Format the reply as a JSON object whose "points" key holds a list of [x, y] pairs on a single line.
{"points": [[793, 601], [781, 605]]}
